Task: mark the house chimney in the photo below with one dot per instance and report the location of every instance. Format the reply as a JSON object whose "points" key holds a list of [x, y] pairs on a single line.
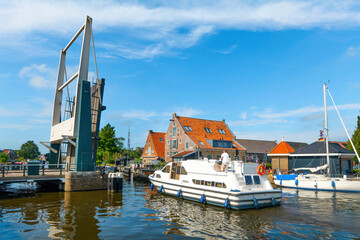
{"points": [[174, 115], [151, 132], [223, 120], [283, 139]]}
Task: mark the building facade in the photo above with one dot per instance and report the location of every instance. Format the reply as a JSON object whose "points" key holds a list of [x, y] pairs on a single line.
{"points": [[154, 149], [257, 150], [189, 138]]}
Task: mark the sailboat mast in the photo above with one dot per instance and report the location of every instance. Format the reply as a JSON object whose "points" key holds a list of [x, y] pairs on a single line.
{"points": [[326, 130]]}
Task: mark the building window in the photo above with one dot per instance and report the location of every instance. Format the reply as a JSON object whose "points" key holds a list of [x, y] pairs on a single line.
{"points": [[221, 131], [187, 128], [218, 157], [209, 156], [207, 130], [178, 130], [160, 139], [173, 144], [201, 143], [168, 142], [173, 123], [180, 140], [152, 151], [168, 153], [174, 132], [187, 145], [149, 151]]}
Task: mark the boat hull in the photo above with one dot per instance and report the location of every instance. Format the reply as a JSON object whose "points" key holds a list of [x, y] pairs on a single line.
{"points": [[321, 185], [232, 199]]}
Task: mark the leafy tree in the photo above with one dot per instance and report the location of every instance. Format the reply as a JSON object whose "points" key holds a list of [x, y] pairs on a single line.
{"points": [[4, 157], [108, 144], [356, 140], [29, 150]]}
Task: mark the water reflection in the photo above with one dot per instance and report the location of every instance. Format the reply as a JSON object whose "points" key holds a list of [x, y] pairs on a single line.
{"points": [[140, 213]]}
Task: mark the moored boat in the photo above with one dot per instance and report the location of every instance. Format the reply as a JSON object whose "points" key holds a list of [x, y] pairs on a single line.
{"points": [[240, 186]]}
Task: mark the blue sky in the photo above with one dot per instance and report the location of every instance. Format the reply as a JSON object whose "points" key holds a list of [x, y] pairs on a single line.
{"points": [[257, 64]]}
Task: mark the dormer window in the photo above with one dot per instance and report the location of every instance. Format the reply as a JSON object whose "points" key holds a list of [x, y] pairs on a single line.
{"points": [[160, 139], [207, 130], [221, 131], [187, 128], [201, 143]]}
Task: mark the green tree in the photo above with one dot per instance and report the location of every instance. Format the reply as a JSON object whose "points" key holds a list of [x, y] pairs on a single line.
{"points": [[4, 157], [108, 144], [356, 140], [29, 150]]}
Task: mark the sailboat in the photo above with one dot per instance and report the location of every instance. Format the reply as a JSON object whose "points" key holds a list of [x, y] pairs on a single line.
{"points": [[321, 182]]}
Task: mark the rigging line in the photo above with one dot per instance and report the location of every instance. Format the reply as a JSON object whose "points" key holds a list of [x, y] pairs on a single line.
{"points": [[357, 155], [96, 70]]}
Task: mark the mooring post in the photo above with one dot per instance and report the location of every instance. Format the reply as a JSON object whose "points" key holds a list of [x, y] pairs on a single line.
{"points": [[3, 171]]}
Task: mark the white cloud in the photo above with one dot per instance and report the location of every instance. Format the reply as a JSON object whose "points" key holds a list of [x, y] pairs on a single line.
{"points": [[146, 115], [159, 27], [40, 76], [304, 111], [16, 126], [352, 51], [229, 50]]}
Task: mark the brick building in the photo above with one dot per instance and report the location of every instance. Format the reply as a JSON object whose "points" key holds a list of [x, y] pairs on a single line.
{"points": [[154, 149], [192, 138]]}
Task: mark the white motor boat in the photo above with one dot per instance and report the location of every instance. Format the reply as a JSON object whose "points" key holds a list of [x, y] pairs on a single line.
{"points": [[240, 186]]}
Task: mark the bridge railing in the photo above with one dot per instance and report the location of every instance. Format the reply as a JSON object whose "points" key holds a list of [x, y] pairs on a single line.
{"points": [[18, 170]]}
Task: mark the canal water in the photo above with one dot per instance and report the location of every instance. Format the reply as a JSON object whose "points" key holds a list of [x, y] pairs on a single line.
{"points": [[139, 213]]}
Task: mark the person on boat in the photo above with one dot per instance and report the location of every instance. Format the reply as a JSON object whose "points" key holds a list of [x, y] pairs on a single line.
{"points": [[225, 158]]}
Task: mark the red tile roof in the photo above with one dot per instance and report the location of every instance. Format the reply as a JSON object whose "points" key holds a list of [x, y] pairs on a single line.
{"points": [[282, 148], [198, 133], [181, 154], [159, 145]]}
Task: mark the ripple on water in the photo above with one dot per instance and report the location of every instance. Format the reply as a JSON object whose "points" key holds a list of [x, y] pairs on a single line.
{"points": [[140, 213]]}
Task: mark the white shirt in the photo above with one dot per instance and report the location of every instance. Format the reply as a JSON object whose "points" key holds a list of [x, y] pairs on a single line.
{"points": [[225, 158]]}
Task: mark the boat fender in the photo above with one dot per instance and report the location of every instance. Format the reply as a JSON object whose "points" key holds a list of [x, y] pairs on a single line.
{"points": [[256, 204], [333, 183], [202, 199], [227, 203], [179, 193], [296, 182], [161, 188], [152, 186], [273, 201]]}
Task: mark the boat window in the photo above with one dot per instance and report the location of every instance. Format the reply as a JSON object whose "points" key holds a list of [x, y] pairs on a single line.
{"points": [[183, 171], [178, 169], [158, 176], [166, 169], [202, 182], [256, 180], [248, 180], [207, 183], [213, 184], [218, 184], [197, 182], [224, 185]]}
